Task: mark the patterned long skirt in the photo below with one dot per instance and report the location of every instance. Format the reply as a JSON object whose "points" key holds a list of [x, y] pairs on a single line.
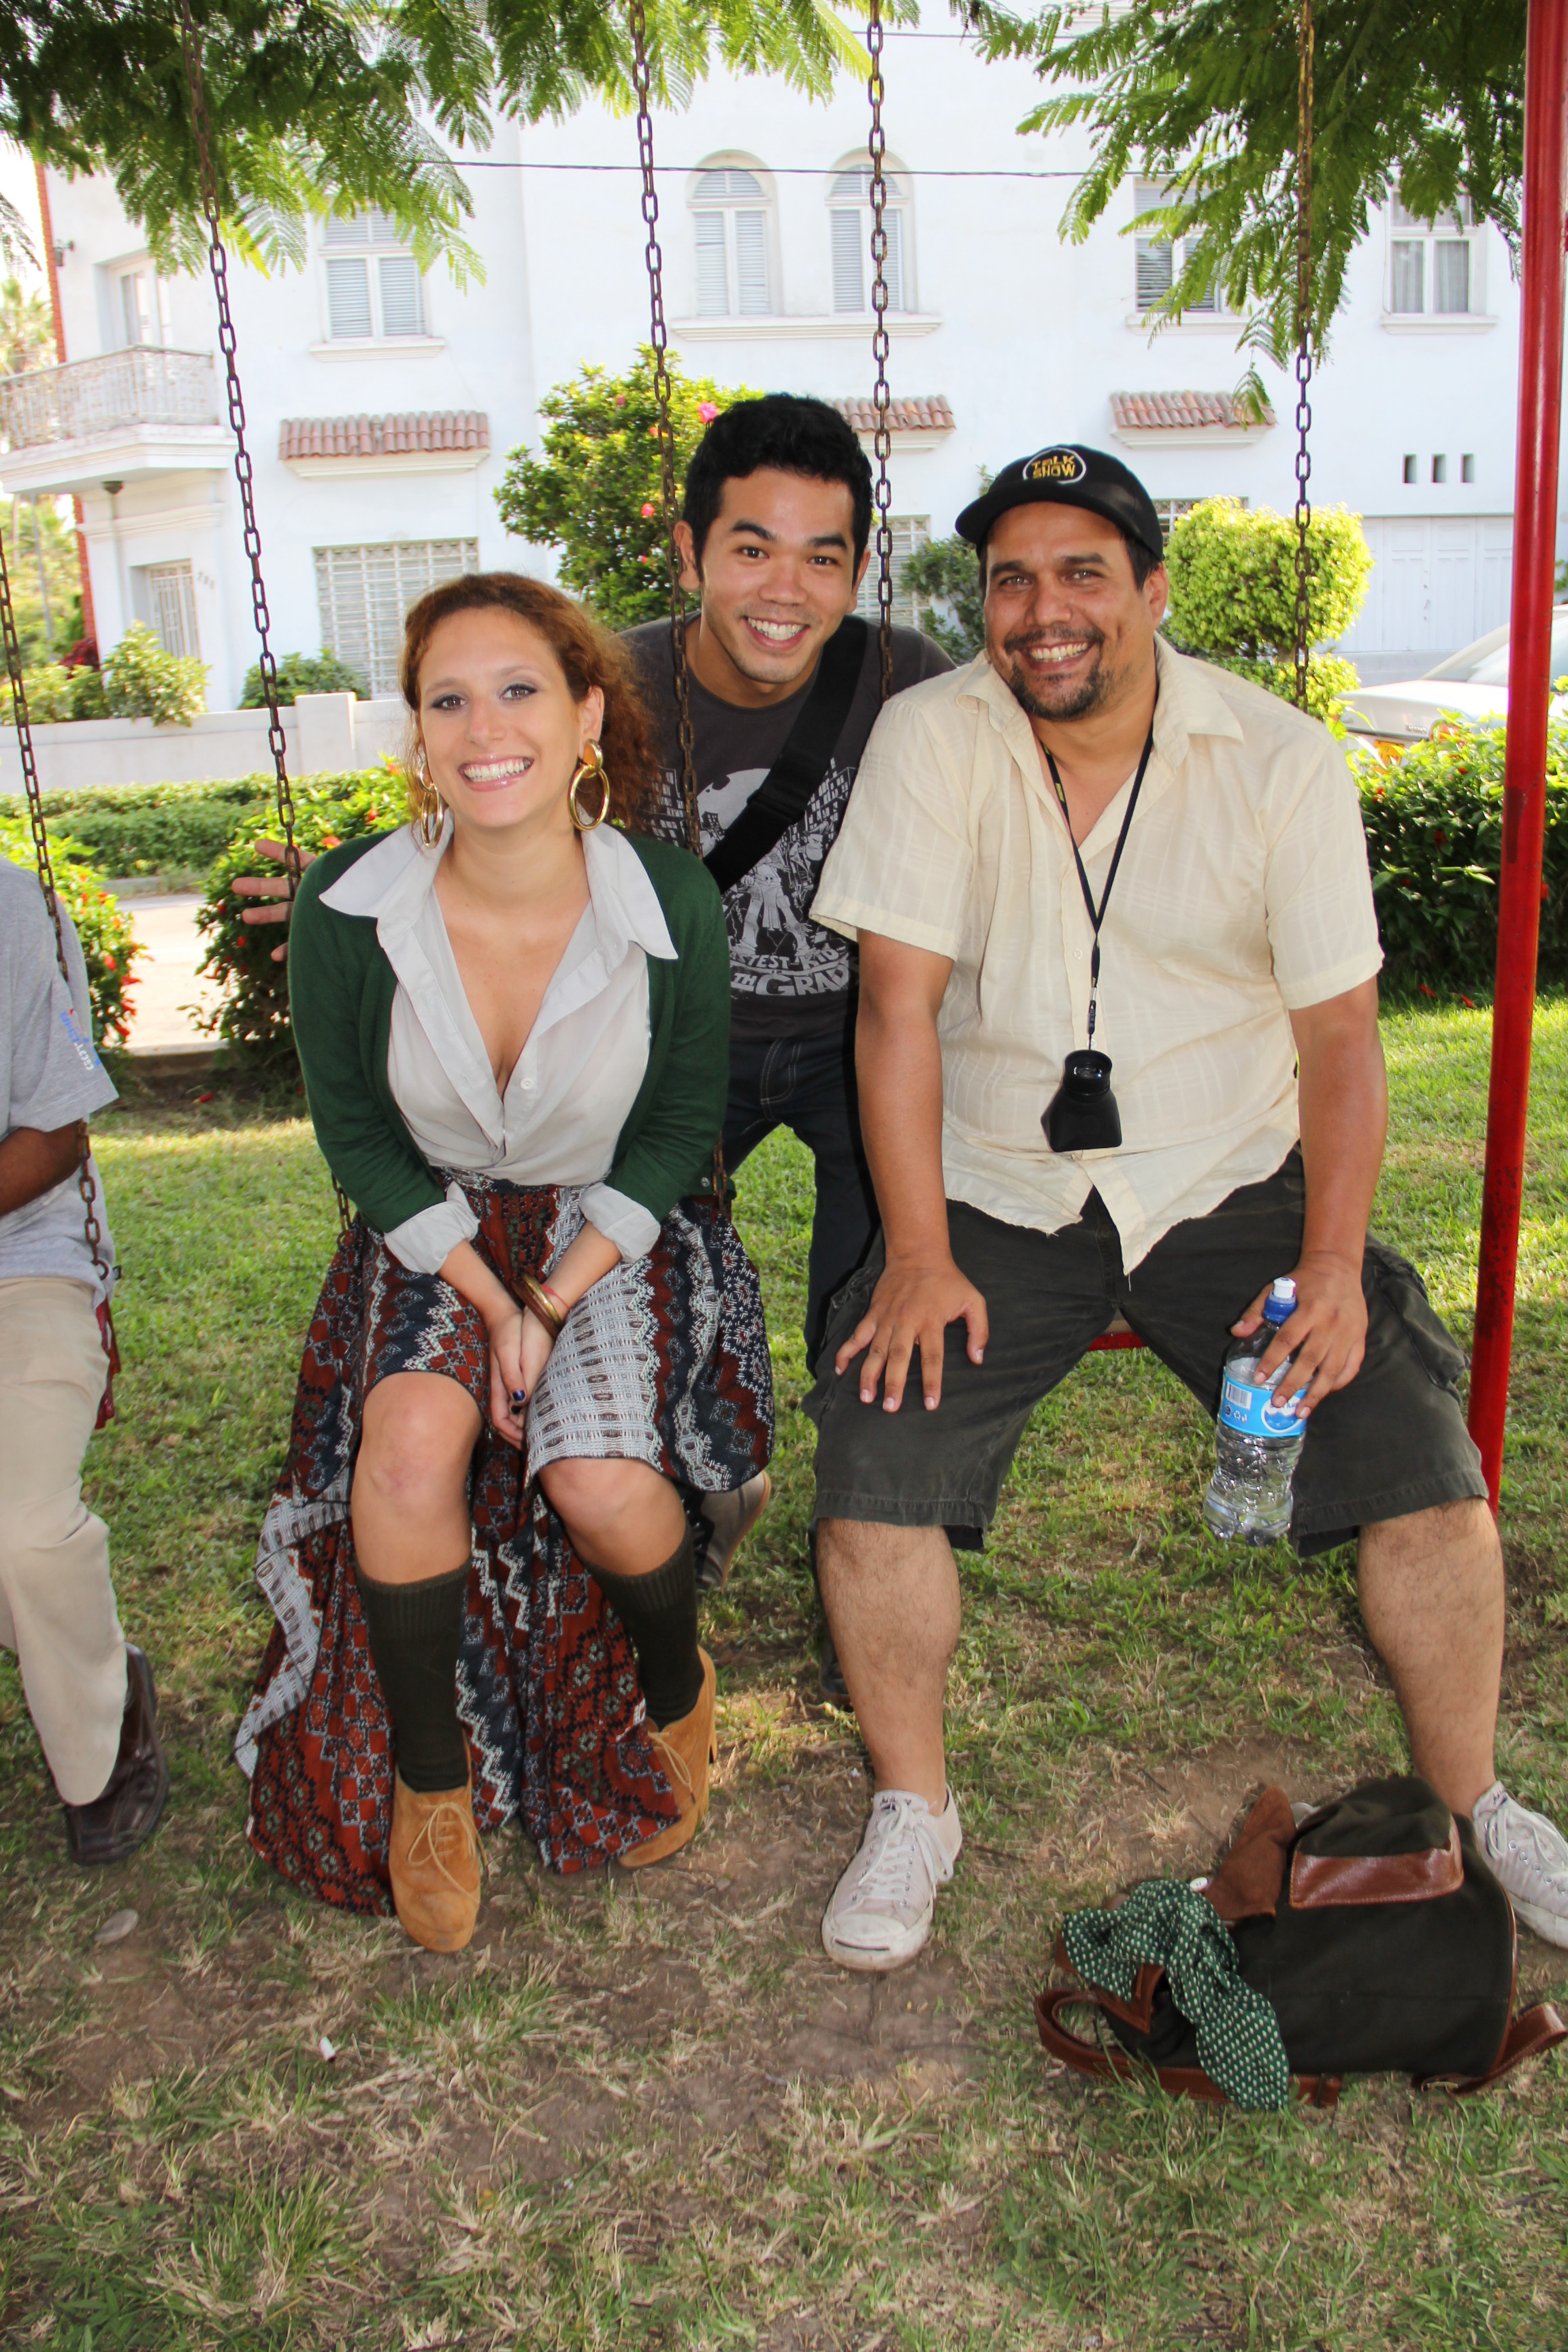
{"points": [[664, 1362]]}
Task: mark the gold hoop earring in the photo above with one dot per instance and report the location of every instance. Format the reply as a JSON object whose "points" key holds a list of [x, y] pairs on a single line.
{"points": [[432, 814], [590, 768]]}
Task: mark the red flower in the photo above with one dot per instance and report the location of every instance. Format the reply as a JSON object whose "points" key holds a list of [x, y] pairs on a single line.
{"points": [[708, 410], [332, 841], [1426, 991], [649, 508], [1468, 1001], [110, 964], [1440, 838]]}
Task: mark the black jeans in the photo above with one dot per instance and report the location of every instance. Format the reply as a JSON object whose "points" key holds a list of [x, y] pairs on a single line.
{"points": [[808, 1084]]}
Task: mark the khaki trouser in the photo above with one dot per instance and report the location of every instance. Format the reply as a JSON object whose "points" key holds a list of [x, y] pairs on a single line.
{"points": [[57, 1603]]}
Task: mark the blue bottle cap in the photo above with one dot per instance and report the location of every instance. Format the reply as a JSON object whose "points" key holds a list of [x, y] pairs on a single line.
{"points": [[1280, 1303]]}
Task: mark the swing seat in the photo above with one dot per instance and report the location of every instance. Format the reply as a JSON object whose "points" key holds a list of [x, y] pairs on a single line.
{"points": [[1118, 1333]]}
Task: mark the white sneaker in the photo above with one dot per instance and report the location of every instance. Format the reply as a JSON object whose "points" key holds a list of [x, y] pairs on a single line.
{"points": [[880, 1914], [1529, 1859]]}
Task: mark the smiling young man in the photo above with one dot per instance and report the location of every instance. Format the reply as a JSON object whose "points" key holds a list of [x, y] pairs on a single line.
{"points": [[776, 516], [1084, 840]]}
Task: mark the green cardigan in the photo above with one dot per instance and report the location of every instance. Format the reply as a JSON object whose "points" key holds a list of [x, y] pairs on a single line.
{"points": [[341, 988]]}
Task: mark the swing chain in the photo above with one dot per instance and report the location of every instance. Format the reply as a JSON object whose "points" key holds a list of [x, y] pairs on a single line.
{"points": [[642, 84], [881, 398], [217, 260], [218, 263], [84, 1176], [1304, 346]]}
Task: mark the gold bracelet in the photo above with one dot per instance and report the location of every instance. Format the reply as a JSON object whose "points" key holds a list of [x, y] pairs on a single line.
{"points": [[537, 1300]]}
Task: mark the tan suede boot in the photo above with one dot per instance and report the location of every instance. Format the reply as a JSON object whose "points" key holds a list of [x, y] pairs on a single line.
{"points": [[434, 1861], [685, 1750]]}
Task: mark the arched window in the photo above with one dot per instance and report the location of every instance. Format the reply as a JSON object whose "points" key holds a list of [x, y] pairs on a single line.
{"points": [[849, 221], [729, 222]]}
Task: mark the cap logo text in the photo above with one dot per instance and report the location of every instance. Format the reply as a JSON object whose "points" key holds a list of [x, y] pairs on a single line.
{"points": [[1056, 465]]}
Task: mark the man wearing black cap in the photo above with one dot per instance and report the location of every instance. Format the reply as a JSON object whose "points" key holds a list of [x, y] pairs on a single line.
{"points": [[1118, 1054]]}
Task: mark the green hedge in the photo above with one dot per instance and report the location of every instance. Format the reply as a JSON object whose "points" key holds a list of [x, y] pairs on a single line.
{"points": [[174, 830], [1433, 831], [254, 1016]]}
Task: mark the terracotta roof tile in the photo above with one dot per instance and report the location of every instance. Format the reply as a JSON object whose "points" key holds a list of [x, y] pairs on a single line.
{"points": [[383, 436], [930, 415], [1164, 411]]}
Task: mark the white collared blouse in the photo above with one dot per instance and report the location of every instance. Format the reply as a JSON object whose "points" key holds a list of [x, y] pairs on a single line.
{"points": [[560, 1114]]}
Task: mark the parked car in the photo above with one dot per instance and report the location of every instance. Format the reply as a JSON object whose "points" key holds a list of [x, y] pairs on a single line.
{"points": [[1471, 684]]}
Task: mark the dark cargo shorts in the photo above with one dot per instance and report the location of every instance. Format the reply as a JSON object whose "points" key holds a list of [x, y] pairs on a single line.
{"points": [[1390, 1444]]}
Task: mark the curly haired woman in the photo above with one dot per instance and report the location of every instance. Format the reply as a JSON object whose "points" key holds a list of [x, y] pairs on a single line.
{"points": [[512, 1020]]}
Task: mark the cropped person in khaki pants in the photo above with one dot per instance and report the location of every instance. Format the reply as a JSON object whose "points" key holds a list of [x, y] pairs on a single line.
{"points": [[88, 1691]]}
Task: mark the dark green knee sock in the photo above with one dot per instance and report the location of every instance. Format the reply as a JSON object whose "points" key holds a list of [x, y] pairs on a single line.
{"points": [[659, 1613], [414, 1630]]}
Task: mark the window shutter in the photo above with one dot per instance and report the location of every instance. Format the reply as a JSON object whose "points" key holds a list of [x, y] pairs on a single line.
{"points": [[347, 232], [401, 309], [893, 221], [910, 531], [712, 276], [1451, 275], [752, 264], [1406, 289], [849, 268], [348, 298]]}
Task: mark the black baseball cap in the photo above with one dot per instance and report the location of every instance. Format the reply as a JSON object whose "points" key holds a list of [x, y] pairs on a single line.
{"points": [[1067, 475]]}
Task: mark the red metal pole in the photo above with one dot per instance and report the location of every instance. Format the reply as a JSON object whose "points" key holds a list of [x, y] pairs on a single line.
{"points": [[1529, 696]]}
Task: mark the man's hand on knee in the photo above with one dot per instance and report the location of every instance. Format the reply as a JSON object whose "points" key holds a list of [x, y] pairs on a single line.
{"points": [[1326, 1335], [912, 1307]]}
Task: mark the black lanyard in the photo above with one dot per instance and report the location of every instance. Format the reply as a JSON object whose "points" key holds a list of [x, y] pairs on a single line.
{"points": [[1097, 913]]}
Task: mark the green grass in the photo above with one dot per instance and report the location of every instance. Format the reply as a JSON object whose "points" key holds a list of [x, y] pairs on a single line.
{"points": [[646, 2113]]}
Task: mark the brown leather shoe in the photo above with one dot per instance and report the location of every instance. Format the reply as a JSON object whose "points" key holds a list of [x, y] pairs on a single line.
{"points": [[434, 1861], [126, 1815], [729, 1520], [685, 1750]]}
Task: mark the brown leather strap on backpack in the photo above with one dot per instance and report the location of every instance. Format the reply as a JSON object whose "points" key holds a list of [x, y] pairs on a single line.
{"points": [[1538, 2029], [1120, 2065]]}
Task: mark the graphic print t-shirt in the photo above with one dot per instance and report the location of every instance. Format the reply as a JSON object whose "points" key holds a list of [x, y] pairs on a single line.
{"points": [[788, 977]]}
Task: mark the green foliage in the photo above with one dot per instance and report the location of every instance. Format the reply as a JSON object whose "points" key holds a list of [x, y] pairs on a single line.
{"points": [[1433, 831], [42, 562], [301, 673], [173, 830], [109, 944], [254, 1016], [1200, 95], [1233, 594], [349, 103], [594, 488], [945, 580], [140, 680], [57, 695]]}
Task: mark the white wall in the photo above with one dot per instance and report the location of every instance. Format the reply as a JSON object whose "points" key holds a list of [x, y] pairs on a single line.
{"points": [[89, 752], [1026, 337]]}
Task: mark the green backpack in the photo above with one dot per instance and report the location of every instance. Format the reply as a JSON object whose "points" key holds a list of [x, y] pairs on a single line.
{"points": [[1373, 1929]]}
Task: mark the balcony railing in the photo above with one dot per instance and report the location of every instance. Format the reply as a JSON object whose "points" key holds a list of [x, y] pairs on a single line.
{"points": [[122, 389]]}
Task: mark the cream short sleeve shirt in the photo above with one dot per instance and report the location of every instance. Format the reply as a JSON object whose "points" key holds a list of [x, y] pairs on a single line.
{"points": [[1243, 895]]}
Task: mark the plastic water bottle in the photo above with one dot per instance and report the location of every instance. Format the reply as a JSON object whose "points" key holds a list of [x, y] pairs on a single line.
{"points": [[1258, 1441]]}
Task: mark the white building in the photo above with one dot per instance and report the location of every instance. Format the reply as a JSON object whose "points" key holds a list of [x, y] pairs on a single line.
{"points": [[380, 405]]}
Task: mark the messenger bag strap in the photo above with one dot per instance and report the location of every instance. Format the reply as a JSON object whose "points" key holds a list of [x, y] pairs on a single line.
{"points": [[1538, 2029], [786, 790], [1182, 2082]]}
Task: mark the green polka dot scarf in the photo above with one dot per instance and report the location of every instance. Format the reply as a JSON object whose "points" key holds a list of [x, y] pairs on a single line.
{"points": [[1239, 2044]]}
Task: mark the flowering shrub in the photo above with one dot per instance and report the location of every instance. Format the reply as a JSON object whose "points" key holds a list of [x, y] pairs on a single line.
{"points": [[108, 945], [1433, 832], [595, 488], [142, 681], [254, 1015], [172, 830]]}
